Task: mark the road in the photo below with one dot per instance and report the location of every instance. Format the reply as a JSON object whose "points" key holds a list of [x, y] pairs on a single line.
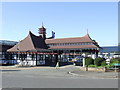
{"points": [[50, 77]]}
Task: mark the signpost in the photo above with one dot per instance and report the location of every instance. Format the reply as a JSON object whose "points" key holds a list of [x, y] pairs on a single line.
{"points": [[116, 65]]}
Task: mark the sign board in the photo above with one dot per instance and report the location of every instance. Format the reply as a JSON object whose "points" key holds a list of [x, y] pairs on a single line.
{"points": [[116, 64]]}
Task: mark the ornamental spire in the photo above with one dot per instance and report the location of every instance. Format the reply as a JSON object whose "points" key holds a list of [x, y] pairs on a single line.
{"points": [[42, 31]]}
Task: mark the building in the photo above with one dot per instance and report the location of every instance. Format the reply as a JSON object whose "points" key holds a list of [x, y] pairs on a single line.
{"points": [[4, 57], [40, 50], [109, 52], [4, 46]]}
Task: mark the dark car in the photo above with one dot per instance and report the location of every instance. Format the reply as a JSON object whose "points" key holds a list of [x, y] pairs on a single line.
{"points": [[78, 60], [8, 62], [3, 62]]}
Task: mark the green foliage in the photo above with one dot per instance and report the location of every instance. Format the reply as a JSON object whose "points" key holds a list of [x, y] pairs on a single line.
{"points": [[89, 61], [114, 60], [103, 63], [91, 65], [108, 66], [98, 61]]}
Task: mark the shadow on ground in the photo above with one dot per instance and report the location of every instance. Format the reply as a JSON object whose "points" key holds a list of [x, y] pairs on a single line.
{"points": [[9, 70]]}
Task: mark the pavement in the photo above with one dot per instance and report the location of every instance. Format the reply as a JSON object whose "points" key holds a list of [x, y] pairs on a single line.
{"points": [[114, 75], [50, 77], [16, 67], [69, 69]]}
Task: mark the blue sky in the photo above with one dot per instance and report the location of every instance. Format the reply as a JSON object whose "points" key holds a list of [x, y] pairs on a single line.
{"points": [[67, 19]]}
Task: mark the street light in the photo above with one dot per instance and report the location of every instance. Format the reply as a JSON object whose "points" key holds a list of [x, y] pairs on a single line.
{"points": [[83, 59]]}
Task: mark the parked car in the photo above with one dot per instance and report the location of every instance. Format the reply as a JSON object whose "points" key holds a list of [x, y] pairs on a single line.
{"points": [[8, 62], [70, 59], [3, 62], [78, 60]]}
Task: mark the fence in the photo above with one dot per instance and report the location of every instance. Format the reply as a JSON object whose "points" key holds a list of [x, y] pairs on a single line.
{"points": [[104, 69]]}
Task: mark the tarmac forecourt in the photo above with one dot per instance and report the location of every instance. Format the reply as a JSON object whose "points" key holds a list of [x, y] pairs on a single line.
{"points": [[70, 69]]}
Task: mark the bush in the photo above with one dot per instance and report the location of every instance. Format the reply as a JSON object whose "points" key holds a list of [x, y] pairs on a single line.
{"points": [[98, 61], [103, 63], [91, 65], [108, 66], [114, 60], [89, 61]]}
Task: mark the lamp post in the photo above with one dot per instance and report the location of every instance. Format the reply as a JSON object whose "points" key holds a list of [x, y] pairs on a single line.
{"points": [[83, 59]]}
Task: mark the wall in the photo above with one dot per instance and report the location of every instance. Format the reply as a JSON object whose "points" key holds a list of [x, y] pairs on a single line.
{"points": [[93, 69]]}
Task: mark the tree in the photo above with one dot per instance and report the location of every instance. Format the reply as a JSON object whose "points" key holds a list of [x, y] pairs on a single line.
{"points": [[103, 63], [89, 61], [114, 60], [98, 61]]}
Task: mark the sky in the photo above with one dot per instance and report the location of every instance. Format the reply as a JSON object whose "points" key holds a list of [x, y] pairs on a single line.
{"points": [[66, 19]]}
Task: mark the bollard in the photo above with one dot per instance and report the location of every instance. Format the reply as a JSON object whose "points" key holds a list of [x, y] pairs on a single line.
{"points": [[83, 62], [86, 68], [105, 69], [115, 69]]}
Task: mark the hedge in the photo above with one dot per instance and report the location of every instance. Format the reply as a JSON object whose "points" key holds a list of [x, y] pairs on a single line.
{"points": [[89, 61], [98, 61]]}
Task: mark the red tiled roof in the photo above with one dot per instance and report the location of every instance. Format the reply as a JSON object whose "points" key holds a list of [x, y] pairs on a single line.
{"points": [[73, 47], [31, 42], [85, 38]]}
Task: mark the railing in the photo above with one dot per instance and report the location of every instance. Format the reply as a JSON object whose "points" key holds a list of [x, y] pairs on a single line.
{"points": [[113, 69]]}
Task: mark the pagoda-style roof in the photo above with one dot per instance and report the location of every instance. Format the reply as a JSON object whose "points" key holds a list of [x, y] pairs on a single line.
{"points": [[75, 47], [37, 43], [31, 42], [84, 39]]}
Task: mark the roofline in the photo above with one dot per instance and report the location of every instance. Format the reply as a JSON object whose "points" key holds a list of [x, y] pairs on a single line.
{"points": [[68, 37], [72, 48]]}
